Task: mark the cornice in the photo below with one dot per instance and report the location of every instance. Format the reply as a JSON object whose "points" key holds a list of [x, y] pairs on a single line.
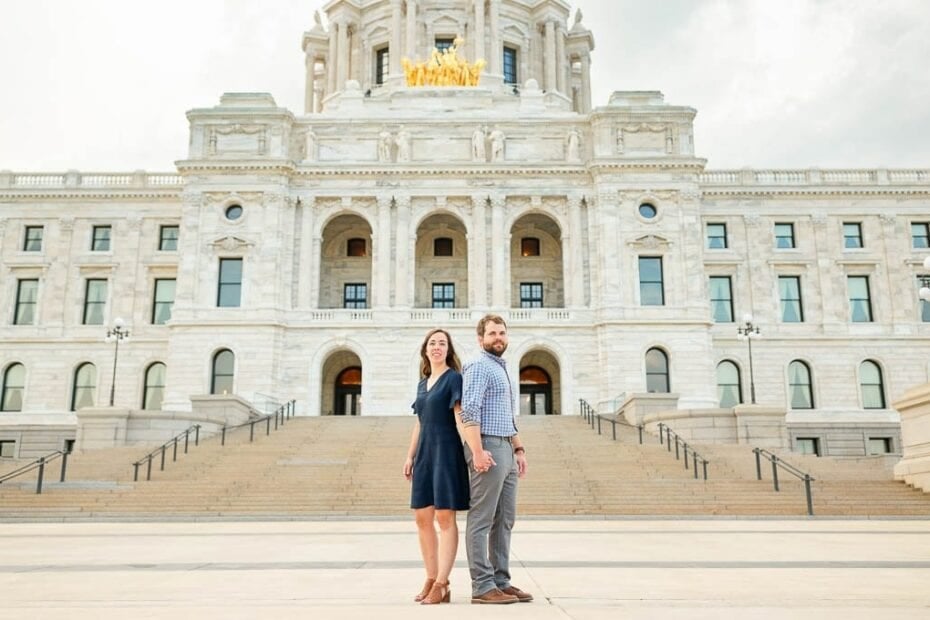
{"points": [[769, 192], [95, 194]]}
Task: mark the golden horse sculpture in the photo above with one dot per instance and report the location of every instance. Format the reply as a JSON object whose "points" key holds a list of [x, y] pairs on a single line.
{"points": [[445, 68]]}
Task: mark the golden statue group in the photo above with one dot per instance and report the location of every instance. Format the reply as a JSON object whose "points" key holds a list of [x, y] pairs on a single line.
{"points": [[445, 68]]}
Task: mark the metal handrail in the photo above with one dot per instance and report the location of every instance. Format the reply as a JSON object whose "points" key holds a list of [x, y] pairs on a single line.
{"points": [[681, 444], [788, 467], [284, 412], [39, 464], [194, 428], [593, 418]]}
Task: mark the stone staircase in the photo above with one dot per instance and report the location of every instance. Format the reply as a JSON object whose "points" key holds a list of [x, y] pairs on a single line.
{"points": [[352, 467]]}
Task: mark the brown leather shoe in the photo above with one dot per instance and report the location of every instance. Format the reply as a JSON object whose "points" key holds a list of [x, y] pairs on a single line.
{"points": [[523, 597], [493, 597]]}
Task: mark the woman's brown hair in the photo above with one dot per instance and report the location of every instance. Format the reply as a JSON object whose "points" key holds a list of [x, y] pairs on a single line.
{"points": [[452, 360]]}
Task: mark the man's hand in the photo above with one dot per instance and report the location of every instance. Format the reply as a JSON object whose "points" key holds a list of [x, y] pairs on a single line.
{"points": [[521, 463]]}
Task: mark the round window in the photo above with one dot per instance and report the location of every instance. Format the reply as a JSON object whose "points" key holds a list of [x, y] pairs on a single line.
{"points": [[647, 210], [233, 212]]}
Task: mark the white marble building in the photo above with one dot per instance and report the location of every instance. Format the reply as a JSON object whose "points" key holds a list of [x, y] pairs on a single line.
{"points": [[304, 256]]}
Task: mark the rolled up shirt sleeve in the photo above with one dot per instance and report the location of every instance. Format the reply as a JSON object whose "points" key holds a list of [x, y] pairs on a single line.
{"points": [[475, 378]]}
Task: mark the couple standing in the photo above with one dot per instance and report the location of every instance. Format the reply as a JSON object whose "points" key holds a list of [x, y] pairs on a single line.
{"points": [[481, 478]]}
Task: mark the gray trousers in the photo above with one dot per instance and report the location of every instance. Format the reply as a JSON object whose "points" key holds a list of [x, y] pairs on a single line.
{"points": [[491, 517]]}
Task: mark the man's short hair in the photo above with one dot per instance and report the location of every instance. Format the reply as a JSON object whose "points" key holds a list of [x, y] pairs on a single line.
{"points": [[490, 318]]}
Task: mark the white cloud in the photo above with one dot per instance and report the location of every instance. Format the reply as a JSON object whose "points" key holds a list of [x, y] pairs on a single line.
{"points": [[104, 85]]}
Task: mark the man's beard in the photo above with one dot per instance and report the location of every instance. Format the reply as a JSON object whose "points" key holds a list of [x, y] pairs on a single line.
{"points": [[490, 348]]}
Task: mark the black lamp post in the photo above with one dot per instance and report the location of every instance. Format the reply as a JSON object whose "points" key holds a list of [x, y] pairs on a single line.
{"points": [[116, 334], [747, 332]]}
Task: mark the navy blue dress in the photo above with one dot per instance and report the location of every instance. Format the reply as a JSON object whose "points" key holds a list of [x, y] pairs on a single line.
{"points": [[440, 475]]}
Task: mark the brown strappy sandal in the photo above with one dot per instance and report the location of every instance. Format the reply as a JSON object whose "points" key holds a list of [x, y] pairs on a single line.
{"points": [[425, 591], [439, 593]]}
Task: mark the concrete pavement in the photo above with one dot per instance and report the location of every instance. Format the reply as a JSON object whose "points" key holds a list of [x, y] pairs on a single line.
{"points": [[577, 569]]}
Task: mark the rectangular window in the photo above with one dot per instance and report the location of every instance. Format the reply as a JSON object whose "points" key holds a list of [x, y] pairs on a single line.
{"points": [[444, 43], [852, 235], [27, 293], [531, 295], [920, 235], [95, 301], [382, 65], [443, 295], [510, 65], [789, 294], [784, 236], [168, 238], [651, 291], [32, 241], [7, 449], [163, 301], [716, 236], [721, 299], [860, 302], [808, 445], [529, 246], [229, 289], [355, 296], [101, 239], [879, 445]]}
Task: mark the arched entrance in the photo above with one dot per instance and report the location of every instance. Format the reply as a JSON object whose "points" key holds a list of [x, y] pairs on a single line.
{"points": [[441, 263], [540, 389], [345, 263], [342, 384], [348, 395], [536, 263], [535, 391]]}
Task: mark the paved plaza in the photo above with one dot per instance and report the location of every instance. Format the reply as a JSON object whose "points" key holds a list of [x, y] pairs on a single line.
{"points": [[578, 569]]}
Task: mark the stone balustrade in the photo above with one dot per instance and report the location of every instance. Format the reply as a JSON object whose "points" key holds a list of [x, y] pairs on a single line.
{"points": [[87, 180], [814, 176]]}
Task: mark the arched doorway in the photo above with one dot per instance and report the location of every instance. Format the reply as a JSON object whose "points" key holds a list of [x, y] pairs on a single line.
{"points": [[540, 384], [535, 391], [348, 395], [341, 392]]}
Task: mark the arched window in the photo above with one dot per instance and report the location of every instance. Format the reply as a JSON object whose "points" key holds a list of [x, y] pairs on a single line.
{"points": [[800, 387], [657, 371], [224, 363], [729, 389], [84, 387], [12, 388], [154, 386], [871, 385]]}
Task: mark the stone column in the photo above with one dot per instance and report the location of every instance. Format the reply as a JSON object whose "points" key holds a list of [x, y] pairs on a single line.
{"points": [[560, 60], [574, 280], [478, 45], [500, 252], [495, 52], [306, 258], [331, 58], [402, 262], [394, 50], [586, 82], [477, 253], [316, 254], [914, 466], [381, 274], [342, 56], [549, 57], [309, 85], [412, 29]]}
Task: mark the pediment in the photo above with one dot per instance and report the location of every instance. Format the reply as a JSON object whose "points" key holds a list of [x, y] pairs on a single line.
{"points": [[231, 243], [650, 242]]}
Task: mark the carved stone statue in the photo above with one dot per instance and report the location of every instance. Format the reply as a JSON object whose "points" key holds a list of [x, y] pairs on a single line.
{"points": [[572, 145], [478, 152], [310, 145], [497, 145], [385, 140], [403, 145], [317, 19], [578, 17], [620, 140]]}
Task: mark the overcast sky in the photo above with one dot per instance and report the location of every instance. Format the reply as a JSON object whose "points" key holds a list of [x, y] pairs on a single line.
{"points": [[103, 85]]}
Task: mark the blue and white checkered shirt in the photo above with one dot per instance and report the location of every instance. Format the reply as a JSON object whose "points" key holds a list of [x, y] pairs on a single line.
{"points": [[487, 397]]}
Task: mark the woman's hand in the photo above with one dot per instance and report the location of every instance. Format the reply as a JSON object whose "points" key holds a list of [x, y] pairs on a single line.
{"points": [[408, 469]]}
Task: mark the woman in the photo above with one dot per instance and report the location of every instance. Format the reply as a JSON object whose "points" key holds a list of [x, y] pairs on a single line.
{"points": [[436, 463]]}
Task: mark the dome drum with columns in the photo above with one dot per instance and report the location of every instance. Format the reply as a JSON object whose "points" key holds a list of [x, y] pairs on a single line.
{"points": [[304, 256]]}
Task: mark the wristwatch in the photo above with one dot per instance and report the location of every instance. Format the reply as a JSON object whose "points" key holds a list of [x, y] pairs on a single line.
{"points": [[519, 449]]}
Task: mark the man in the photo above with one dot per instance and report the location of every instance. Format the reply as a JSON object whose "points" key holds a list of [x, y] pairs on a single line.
{"points": [[497, 458]]}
